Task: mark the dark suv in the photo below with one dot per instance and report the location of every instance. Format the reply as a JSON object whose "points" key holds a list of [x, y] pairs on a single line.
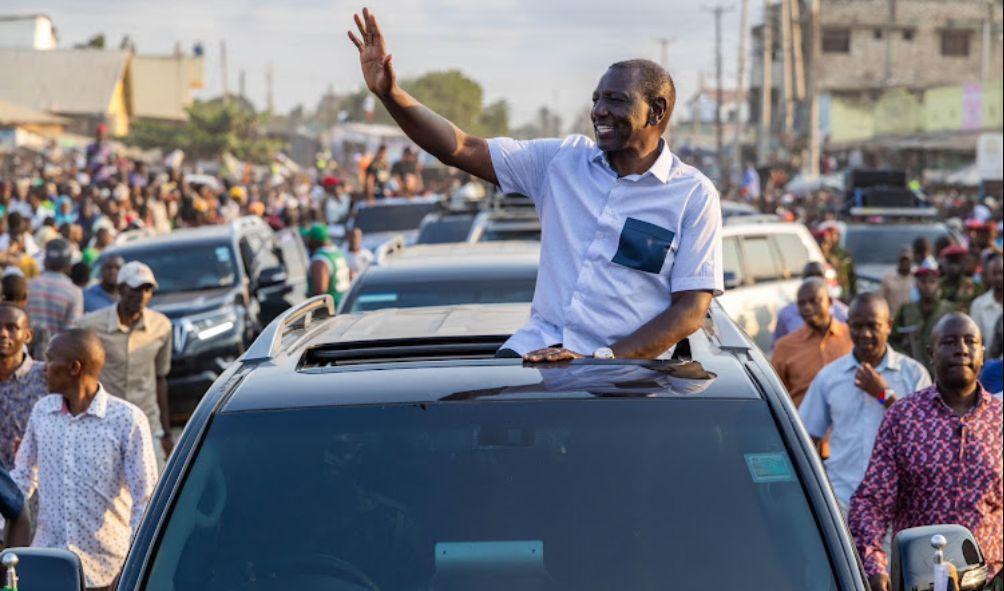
{"points": [[219, 285], [392, 451]]}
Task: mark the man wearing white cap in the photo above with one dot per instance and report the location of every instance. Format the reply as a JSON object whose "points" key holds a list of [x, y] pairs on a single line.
{"points": [[137, 344]]}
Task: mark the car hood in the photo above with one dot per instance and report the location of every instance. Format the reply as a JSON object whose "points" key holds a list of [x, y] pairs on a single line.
{"points": [[188, 303]]}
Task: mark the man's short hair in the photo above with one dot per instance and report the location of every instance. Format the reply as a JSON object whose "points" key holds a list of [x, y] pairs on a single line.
{"points": [[15, 288], [654, 80], [870, 298]]}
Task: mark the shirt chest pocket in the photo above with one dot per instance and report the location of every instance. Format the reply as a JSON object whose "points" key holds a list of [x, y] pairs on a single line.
{"points": [[643, 246]]}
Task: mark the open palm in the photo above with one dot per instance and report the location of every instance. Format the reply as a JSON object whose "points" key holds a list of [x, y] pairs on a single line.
{"points": [[373, 57]]}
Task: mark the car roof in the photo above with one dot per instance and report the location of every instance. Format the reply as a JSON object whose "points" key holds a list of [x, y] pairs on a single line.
{"points": [[738, 228], [342, 361], [210, 233], [435, 261]]}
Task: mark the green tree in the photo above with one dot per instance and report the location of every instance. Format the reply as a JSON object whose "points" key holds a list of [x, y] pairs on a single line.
{"points": [[95, 42], [213, 127], [494, 120]]}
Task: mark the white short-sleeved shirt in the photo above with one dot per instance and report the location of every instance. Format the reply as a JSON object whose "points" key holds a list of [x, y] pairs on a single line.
{"points": [[612, 249], [834, 402]]}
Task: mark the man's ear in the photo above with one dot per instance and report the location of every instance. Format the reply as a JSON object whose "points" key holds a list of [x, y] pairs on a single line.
{"points": [[28, 334], [76, 368], [657, 111]]}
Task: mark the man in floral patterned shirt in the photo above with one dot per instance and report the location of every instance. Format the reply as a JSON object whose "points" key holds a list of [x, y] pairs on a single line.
{"points": [[937, 457]]}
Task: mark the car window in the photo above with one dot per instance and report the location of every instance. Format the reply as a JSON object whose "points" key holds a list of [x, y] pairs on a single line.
{"points": [[293, 255], [187, 267], [441, 231], [494, 495], [376, 295], [392, 218], [760, 259], [880, 244], [794, 254], [731, 262]]}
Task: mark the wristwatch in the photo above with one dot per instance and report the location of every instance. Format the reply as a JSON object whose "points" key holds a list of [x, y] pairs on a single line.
{"points": [[603, 353]]}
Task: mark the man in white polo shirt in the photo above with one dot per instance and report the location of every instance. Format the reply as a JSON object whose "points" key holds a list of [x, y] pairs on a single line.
{"points": [[631, 236]]}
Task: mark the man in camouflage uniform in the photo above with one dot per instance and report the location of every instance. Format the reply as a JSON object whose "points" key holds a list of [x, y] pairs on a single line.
{"points": [[828, 235], [911, 330], [956, 286]]}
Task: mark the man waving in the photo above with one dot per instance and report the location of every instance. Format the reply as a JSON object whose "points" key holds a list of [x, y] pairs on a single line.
{"points": [[631, 236]]}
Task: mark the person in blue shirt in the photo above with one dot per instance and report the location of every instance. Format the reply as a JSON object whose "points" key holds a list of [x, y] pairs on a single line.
{"points": [[106, 293]]}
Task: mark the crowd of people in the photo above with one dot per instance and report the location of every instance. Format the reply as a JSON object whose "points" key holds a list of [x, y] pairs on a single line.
{"points": [[888, 383], [897, 387]]}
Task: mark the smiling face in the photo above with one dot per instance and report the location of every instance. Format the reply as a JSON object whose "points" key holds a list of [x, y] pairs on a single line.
{"points": [[957, 352], [869, 322], [622, 117]]}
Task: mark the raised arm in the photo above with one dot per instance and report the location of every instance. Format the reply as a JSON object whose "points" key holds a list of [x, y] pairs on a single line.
{"points": [[432, 132]]}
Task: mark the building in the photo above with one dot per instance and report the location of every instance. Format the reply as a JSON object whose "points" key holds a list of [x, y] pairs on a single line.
{"points": [[907, 82], [92, 86], [27, 31], [20, 126]]}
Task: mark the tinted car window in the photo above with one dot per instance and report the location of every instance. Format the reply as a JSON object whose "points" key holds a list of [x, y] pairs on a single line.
{"points": [[731, 262], [445, 230], [392, 218], [794, 254], [880, 244], [293, 255], [760, 259], [184, 267], [377, 295], [497, 234], [494, 496]]}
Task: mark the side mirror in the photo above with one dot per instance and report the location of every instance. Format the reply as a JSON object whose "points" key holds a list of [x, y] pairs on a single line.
{"points": [[51, 569], [732, 280], [918, 550], [270, 277]]}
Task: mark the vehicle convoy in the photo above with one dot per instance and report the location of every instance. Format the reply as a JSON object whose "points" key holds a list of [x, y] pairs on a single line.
{"points": [[387, 218], [219, 286], [446, 275], [391, 450]]}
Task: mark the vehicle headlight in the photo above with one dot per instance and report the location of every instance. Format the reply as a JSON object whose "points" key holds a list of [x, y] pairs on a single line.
{"points": [[207, 326], [215, 323]]}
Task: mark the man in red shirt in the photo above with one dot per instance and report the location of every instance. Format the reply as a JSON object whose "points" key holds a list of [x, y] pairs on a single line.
{"points": [[937, 457]]}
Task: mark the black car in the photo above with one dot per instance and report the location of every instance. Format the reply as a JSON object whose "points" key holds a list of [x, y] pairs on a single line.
{"points": [[875, 247], [219, 285], [337, 457], [447, 275]]}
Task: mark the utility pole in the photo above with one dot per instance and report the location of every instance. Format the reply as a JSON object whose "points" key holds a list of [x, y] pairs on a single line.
{"points": [[789, 98], [269, 98], [224, 73], [815, 40], [718, 11], [737, 156], [242, 83], [986, 55], [796, 48], [766, 83], [664, 43]]}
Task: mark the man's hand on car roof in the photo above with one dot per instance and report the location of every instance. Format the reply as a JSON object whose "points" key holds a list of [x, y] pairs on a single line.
{"points": [[552, 354]]}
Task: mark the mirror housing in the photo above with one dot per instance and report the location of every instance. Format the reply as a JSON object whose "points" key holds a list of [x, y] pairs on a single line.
{"points": [[48, 569], [732, 280], [913, 557], [270, 277]]}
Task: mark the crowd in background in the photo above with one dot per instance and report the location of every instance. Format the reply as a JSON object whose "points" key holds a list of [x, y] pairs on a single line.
{"points": [[62, 209]]}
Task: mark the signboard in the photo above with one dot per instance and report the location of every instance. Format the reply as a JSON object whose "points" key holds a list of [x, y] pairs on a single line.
{"points": [[990, 156]]}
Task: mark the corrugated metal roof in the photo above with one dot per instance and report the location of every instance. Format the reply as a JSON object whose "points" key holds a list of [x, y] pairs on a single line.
{"points": [[77, 81], [11, 114]]}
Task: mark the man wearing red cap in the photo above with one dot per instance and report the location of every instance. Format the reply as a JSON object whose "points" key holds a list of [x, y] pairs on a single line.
{"points": [[956, 286], [911, 330]]}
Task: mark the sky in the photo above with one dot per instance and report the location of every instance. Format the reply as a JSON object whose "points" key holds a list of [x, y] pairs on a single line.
{"points": [[529, 52]]}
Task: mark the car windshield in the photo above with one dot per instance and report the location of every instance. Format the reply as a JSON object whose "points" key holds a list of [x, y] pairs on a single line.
{"points": [[187, 267], [625, 494], [452, 229], [881, 244], [379, 295], [393, 218]]}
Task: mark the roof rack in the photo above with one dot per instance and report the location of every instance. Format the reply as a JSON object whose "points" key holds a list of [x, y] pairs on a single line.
{"points": [[269, 342]]}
